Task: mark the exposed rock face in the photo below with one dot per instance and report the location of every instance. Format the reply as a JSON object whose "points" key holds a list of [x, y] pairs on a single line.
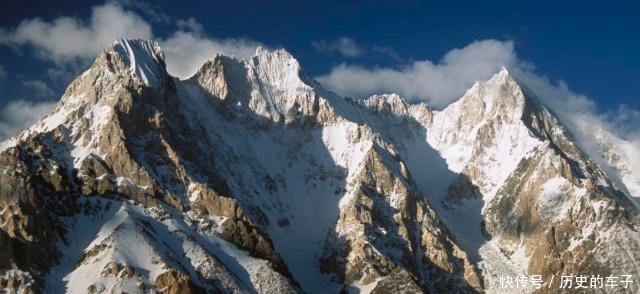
{"points": [[543, 203], [173, 282], [249, 177], [16, 281], [384, 211]]}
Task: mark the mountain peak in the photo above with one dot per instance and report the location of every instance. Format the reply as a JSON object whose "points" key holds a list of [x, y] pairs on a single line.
{"points": [[392, 102], [281, 52], [261, 51], [144, 59], [503, 70], [502, 76], [276, 60], [249, 176], [272, 83], [500, 91]]}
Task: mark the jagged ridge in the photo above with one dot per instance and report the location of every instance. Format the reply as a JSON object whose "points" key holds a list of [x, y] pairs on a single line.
{"points": [[266, 182]]}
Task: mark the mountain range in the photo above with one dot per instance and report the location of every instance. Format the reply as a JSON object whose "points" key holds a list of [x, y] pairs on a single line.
{"points": [[251, 177]]}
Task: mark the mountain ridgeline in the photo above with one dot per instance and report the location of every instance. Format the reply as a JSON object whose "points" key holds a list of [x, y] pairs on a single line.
{"points": [[250, 177]]}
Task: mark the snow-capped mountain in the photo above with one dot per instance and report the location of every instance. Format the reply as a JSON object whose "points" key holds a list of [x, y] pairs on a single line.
{"points": [[250, 177]]}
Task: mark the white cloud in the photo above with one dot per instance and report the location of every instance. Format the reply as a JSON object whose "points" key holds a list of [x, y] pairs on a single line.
{"points": [[40, 88], [20, 114], [187, 49], [628, 121], [436, 83], [586, 122], [71, 43], [619, 127], [345, 46], [68, 38], [440, 83]]}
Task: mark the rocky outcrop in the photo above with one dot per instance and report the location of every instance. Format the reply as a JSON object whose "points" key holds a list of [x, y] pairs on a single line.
{"points": [[387, 227], [249, 177], [16, 281], [174, 282]]}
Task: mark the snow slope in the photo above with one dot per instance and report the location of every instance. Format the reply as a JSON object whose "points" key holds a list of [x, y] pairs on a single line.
{"points": [[245, 177]]}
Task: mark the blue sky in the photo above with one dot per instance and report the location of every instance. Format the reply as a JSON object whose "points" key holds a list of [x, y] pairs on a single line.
{"points": [[578, 49]]}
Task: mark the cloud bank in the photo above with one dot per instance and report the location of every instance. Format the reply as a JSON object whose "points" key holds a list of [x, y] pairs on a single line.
{"points": [[188, 48], [69, 40], [437, 83]]}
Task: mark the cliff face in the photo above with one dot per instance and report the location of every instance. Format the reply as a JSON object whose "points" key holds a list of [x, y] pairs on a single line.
{"points": [[249, 177]]}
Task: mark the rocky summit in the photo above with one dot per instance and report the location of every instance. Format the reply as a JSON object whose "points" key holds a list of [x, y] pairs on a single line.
{"points": [[250, 177]]}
